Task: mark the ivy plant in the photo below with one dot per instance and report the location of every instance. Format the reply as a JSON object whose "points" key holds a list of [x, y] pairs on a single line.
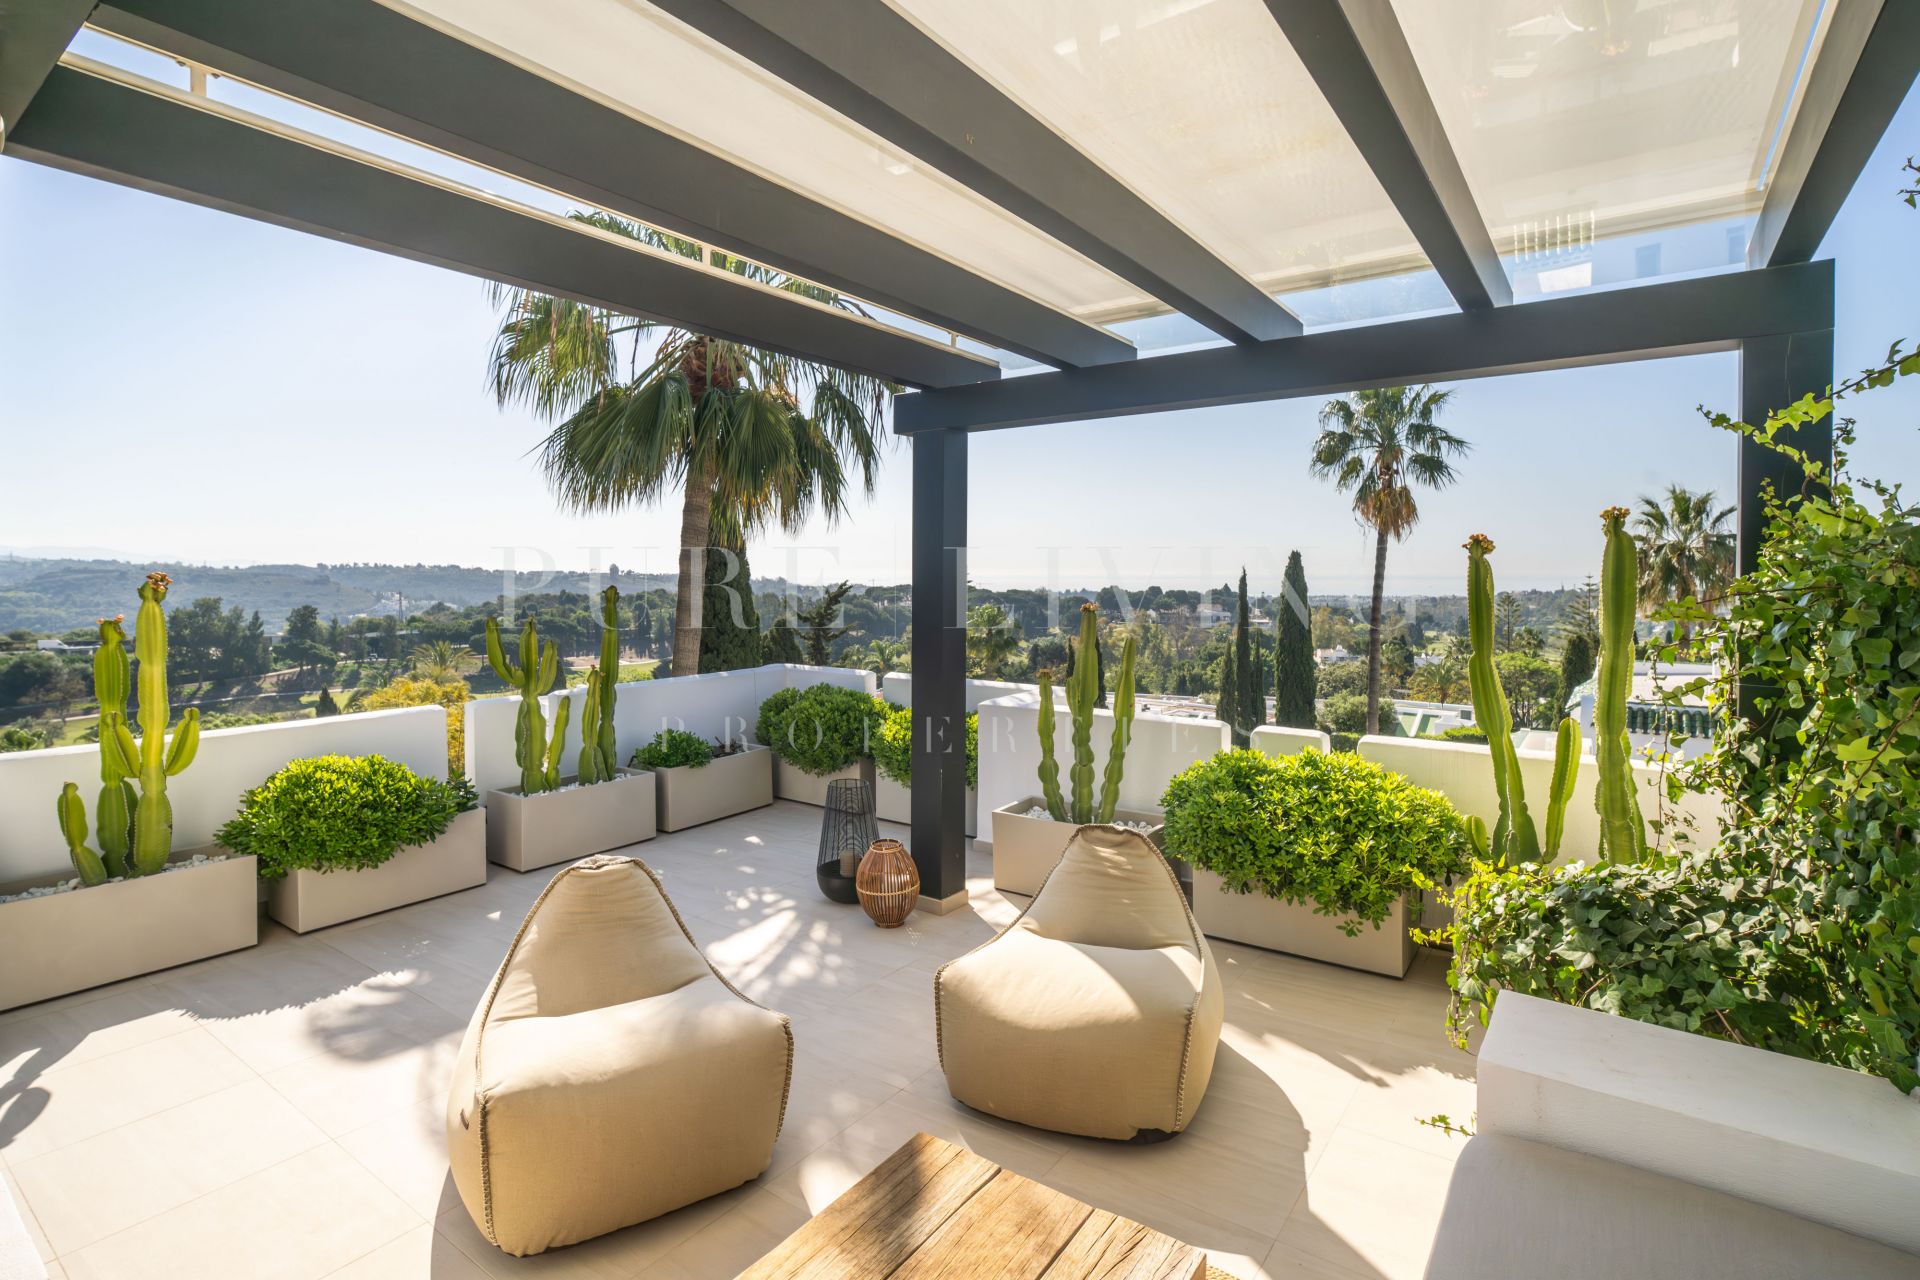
{"points": [[1334, 831], [340, 813]]}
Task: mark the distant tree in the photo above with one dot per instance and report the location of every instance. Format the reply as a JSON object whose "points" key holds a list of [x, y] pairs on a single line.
{"points": [[1245, 708], [24, 738], [409, 692], [1396, 661], [1686, 548], [729, 618], [66, 685], [993, 640], [1576, 667], [823, 622], [1530, 684], [1341, 677], [882, 656], [1293, 657], [1377, 445], [303, 644], [441, 661], [780, 644], [1442, 681], [1049, 653], [1347, 713], [1529, 641], [1506, 619], [24, 674], [324, 705]]}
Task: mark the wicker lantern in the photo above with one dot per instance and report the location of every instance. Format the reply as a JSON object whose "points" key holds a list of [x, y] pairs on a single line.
{"points": [[889, 883], [846, 830]]}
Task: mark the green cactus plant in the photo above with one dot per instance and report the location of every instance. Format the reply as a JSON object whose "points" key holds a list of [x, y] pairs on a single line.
{"points": [[1083, 691], [533, 676], [135, 828], [1515, 838], [1623, 833], [599, 752]]}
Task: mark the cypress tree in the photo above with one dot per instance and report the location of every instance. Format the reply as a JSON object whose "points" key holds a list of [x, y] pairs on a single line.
{"points": [[1228, 706], [325, 705], [781, 644], [1293, 652], [729, 621], [1250, 705], [1576, 668]]}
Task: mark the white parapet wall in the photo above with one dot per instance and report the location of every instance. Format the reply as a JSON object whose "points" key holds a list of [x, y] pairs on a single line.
{"points": [[1160, 747], [1463, 772], [718, 704], [229, 762], [897, 688], [1272, 740], [1828, 1144]]}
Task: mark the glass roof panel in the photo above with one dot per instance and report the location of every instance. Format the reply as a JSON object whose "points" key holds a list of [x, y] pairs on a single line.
{"points": [[1611, 118], [1204, 110], [633, 57]]}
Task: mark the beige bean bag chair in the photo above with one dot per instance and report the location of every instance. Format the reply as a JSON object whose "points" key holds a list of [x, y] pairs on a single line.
{"points": [[1098, 1011], [610, 1074]]}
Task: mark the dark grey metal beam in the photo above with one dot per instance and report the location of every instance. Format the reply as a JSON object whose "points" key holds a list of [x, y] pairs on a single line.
{"points": [[939, 800], [33, 35], [1358, 55], [1866, 65], [368, 62], [1712, 313], [97, 126], [872, 65], [1777, 371]]}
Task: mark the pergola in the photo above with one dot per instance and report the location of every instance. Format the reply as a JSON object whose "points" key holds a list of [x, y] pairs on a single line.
{"points": [[1007, 182]]}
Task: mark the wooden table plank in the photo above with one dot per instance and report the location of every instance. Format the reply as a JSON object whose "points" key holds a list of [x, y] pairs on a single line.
{"points": [[933, 1211], [1012, 1229], [882, 1219], [1109, 1247]]}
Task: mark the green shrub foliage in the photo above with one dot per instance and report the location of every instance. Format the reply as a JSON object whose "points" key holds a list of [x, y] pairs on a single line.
{"points": [[1798, 931], [893, 746], [820, 729], [340, 813], [1335, 831], [674, 749]]}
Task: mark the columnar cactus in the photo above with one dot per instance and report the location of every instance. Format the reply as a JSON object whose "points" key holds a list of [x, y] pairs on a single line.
{"points": [[136, 831], [533, 676], [1083, 690], [1514, 836], [1623, 835], [599, 753]]}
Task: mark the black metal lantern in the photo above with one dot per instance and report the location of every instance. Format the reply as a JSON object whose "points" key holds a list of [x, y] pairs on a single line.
{"points": [[846, 831]]}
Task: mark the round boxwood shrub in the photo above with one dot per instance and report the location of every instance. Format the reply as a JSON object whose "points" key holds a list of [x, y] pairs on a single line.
{"points": [[340, 813], [674, 749], [1335, 831], [893, 746], [820, 729]]}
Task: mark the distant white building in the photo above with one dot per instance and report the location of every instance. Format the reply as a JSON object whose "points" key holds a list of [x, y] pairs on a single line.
{"points": [[1334, 656]]}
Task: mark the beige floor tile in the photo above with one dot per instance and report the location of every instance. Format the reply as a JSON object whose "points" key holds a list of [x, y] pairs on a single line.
{"points": [[408, 1152], [344, 1094], [738, 1238], [617, 1256], [55, 1038], [91, 1189], [305, 1217], [115, 1089], [27, 1217], [421, 1254], [374, 1017], [1370, 1204]]}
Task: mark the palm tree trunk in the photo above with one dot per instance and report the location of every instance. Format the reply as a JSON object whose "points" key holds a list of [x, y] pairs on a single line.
{"points": [[1373, 633], [696, 517]]}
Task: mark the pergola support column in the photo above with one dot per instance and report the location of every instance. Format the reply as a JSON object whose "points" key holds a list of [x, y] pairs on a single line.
{"points": [[939, 803], [1775, 372]]}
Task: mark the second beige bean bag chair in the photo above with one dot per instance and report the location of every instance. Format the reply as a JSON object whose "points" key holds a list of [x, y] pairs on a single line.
{"points": [[1098, 1011], [610, 1074]]}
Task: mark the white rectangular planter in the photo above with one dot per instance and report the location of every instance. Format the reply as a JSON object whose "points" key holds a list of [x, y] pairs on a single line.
{"points": [[305, 900], [1260, 921], [894, 803], [525, 832], [67, 942], [790, 783], [722, 787], [1025, 849]]}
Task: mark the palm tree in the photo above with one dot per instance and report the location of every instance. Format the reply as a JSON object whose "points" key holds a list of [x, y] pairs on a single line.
{"points": [[441, 661], [1377, 445], [1686, 549], [883, 656], [719, 421]]}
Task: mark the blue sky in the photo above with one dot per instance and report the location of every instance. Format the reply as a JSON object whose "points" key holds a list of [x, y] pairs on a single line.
{"points": [[184, 384]]}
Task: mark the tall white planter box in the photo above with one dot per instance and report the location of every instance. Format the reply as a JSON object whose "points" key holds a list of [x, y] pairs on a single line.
{"points": [[722, 787], [1260, 921], [1026, 849], [894, 803], [66, 942], [305, 900], [526, 832], [791, 783]]}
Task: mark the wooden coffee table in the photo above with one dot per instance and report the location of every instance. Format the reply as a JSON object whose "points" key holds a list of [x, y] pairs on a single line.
{"points": [[934, 1209]]}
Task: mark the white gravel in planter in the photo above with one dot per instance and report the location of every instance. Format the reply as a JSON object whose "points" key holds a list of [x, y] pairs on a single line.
{"points": [[1041, 811], [68, 886]]}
